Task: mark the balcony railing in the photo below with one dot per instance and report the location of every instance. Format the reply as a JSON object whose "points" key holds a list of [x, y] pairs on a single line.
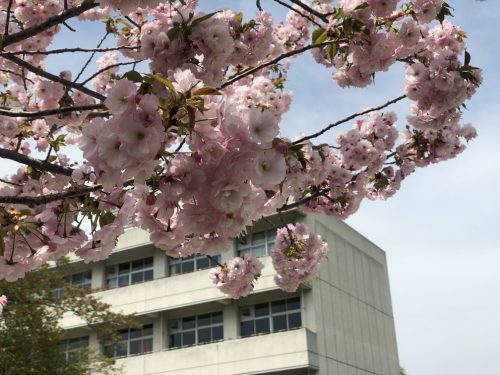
{"points": [[168, 293], [287, 350]]}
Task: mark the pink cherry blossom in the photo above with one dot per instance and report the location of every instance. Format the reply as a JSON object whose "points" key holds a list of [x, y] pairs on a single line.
{"points": [[296, 256], [236, 277]]}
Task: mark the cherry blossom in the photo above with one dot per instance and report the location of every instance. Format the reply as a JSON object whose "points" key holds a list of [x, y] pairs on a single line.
{"points": [[236, 277], [3, 302], [180, 128], [296, 256]]}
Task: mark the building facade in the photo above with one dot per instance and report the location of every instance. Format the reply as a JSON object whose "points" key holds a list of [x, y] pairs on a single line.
{"points": [[339, 324]]}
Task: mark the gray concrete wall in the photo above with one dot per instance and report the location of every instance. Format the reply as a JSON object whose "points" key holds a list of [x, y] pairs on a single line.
{"points": [[351, 298]]}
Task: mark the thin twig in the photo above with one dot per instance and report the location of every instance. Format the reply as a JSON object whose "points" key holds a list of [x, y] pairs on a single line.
{"points": [[90, 58], [312, 11], [50, 112], [7, 19], [44, 199], [66, 50], [107, 68], [35, 163], [214, 260], [133, 22], [16, 74], [68, 26], [351, 117], [250, 71], [311, 19], [54, 78], [9, 182], [50, 22], [302, 201]]}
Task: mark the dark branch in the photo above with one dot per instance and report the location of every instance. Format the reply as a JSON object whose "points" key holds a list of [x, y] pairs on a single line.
{"points": [[351, 117], [109, 67], [7, 19], [44, 199], [66, 50], [311, 19], [250, 71], [50, 112], [91, 57], [302, 201], [50, 22], [35, 163], [307, 8], [52, 77]]}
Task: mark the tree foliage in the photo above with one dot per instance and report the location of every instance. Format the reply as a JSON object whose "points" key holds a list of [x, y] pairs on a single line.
{"points": [[30, 337]]}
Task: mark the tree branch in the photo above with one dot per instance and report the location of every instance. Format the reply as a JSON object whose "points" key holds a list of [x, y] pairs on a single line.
{"points": [[44, 199], [54, 78], [302, 201], [35, 163], [90, 58], [107, 68], [66, 50], [50, 112], [7, 19], [50, 22], [250, 71], [307, 8], [353, 116], [298, 12]]}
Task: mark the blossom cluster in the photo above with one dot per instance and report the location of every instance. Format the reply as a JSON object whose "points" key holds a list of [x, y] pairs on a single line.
{"points": [[296, 256], [236, 277], [191, 148]]}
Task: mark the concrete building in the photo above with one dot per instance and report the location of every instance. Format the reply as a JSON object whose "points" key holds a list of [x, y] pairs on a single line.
{"points": [[339, 324]]}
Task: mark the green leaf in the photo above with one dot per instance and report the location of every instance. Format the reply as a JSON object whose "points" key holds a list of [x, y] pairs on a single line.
{"points": [[362, 6], [199, 20], [162, 79], [174, 32], [106, 218], [133, 76], [33, 173], [445, 11], [207, 90], [319, 36], [467, 58], [332, 50]]}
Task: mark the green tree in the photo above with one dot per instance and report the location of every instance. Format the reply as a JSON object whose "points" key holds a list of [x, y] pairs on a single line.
{"points": [[30, 338]]}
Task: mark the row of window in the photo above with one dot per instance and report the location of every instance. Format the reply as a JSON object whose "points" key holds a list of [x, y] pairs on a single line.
{"points": [[128, 273], [201, 329]]}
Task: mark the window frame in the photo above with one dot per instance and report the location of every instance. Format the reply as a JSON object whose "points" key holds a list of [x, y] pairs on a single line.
{"points": [[70, 280], [78, 351], [128, 340], [177, 328], [114, 275], [269, 319], [246, 245], [195, 259]]}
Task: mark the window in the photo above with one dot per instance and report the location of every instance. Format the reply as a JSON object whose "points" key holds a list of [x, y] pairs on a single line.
{"points": [[270, 317], [195, 330], [81, 280], [257, 244], [191, 263], [135, 341], [75, 349], [128, 273]]}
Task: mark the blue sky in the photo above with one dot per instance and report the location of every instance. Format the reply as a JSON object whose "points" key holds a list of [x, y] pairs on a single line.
{"points": [[441, 231]]}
